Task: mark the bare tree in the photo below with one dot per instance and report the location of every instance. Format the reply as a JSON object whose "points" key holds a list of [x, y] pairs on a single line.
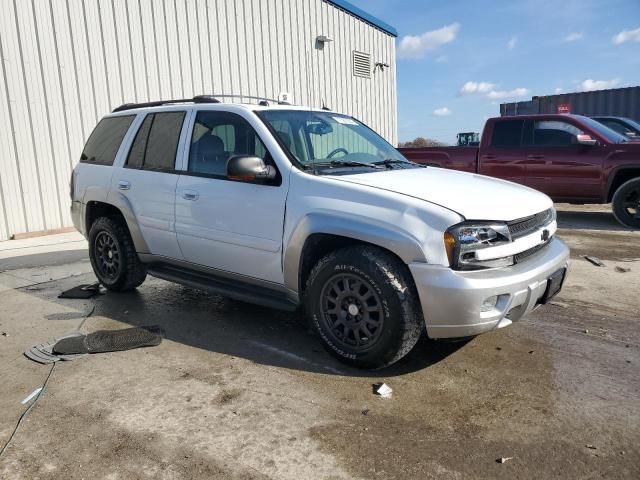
{"points": [[421, 142]]}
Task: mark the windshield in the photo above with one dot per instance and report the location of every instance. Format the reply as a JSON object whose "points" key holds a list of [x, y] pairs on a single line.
{"points": [[327, 139], [633, 124], [609, 134]]}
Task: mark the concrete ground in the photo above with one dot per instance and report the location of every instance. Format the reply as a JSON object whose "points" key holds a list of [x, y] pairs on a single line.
{"points": [[238, 391]]}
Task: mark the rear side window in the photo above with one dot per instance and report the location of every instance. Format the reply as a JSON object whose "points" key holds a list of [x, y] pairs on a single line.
{"points": [[105, 140], [156, 142], [136, 154], [507, 133]]}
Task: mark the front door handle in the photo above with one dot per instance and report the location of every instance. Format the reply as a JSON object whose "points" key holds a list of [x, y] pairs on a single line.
{"points": [[489, 157], [535, 157], [124, 185], [190, 195]]}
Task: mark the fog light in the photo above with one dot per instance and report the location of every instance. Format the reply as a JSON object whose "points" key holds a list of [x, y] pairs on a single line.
{"points": [[489, 304]]}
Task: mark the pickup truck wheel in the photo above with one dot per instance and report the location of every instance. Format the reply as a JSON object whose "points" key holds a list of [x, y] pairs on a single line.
{"points": [[626, 203], [363, 304], [113, 255]]}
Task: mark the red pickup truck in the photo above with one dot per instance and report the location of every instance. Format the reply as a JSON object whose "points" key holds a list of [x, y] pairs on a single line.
{"points": [[571, 158]]}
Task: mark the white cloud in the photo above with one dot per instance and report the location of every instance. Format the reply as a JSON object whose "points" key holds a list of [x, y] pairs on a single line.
{"points": [[416, 46], [589, 84], [489, 90], [476, 87], [626, 36], [442, 112], [511, 44], [500, 94], [573, 37], [558, 90], [442, 59]]}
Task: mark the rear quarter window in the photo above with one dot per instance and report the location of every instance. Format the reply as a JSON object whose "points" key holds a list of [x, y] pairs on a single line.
{"points": [[507, 133], [105, 140]]}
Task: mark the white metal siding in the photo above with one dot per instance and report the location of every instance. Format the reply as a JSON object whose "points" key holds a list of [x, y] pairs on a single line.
{"points": [[66, 63]]}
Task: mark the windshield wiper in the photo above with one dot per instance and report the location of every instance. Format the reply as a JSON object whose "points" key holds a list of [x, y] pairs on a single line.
{"points": [[347, 163], [389, 162]]}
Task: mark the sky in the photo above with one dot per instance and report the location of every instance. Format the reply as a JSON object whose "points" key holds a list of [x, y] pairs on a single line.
{"points": [[459, 59]]}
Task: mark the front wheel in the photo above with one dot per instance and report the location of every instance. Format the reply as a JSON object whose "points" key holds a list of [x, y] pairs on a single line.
{"points": [[362, 302], [626, 203]]}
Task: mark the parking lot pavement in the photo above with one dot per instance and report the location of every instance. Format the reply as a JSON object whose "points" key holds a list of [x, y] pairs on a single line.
{"points": [[238, 391]]}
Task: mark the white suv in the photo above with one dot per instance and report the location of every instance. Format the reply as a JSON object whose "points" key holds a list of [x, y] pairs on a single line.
{"points": [[282, 206]]}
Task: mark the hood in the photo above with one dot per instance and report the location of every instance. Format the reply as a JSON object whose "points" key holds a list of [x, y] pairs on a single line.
{"points": [[475, 197]]}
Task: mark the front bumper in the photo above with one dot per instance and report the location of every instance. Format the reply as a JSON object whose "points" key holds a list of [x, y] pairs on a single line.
{"points": [[451, 300]]}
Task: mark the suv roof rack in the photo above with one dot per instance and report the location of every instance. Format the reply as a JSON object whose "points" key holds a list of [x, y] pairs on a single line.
{"points": [[196, 99]]}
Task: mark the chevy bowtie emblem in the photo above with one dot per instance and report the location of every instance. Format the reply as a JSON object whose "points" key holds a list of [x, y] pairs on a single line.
{"points": [[545, 235]]}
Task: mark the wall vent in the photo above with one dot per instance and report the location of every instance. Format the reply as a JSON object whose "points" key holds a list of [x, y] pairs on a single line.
{"points": [[361, 64]]}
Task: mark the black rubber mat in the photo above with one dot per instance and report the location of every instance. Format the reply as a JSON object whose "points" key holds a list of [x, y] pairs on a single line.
{"points": [[81, 291], [110, 341]]}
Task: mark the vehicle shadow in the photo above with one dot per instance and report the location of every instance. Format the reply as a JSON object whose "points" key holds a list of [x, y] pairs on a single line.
{"points": [[573, 220], [217, 324]]}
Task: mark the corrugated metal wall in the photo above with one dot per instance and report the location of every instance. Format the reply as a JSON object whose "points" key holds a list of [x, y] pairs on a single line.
{"points": [[620, 102], [65, 63]]}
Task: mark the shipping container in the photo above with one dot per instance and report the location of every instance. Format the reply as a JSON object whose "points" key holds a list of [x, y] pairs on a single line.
{"points": [[618, 102]]}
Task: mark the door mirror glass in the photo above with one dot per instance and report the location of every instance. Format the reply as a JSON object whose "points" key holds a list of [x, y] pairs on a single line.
{"points": [[584, 139], [248, 168]]}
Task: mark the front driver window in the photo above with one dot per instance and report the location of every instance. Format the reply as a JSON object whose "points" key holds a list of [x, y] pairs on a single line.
{"points": [[218, 136], [553, 133]]}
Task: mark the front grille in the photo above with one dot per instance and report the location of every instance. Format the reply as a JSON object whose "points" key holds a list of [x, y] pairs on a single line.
{"points": [[520, 257], [525, 226]]}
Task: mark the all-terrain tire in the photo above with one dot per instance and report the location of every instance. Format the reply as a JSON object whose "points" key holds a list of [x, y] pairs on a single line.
{"points": [[379, 286], [626, 199], [113, 255]]}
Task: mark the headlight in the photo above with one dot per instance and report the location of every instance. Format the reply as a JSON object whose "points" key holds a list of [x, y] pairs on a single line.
{"points": [[464, 240]]}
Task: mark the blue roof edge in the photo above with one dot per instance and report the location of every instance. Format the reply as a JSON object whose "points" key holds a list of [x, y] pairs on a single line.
{"points": [[367, 17]]}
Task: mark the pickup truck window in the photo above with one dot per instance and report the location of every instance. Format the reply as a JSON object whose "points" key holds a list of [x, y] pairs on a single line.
{"points": [[507, 133], [156, 142], [218, 136], [554, 133], [330, 140], [105, 140]]}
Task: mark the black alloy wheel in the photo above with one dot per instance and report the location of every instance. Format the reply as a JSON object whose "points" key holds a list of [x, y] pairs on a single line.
{"points": [[352, 311], [363, 304], [107, 255], [113, 255]]}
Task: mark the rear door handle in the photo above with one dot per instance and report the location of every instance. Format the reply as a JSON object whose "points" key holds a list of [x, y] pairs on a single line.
{"points": [[190, 195], [535, 157], [124, 185], [489, 157]]}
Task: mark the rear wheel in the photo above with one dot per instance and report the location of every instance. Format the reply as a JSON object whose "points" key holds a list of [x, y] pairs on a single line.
{"points": [[113, 255], [626, 203], [362, 302]]}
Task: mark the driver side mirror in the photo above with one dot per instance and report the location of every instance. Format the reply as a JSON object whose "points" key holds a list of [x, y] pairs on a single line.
{"points": [[249, 168], [584, 139]]}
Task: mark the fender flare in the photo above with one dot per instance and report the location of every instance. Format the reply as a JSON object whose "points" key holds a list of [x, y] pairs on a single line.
{"points": [[122, 203], [367, 230]]}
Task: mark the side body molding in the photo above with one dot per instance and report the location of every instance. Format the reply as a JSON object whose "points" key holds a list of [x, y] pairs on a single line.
{"points": [[351, 226]]}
